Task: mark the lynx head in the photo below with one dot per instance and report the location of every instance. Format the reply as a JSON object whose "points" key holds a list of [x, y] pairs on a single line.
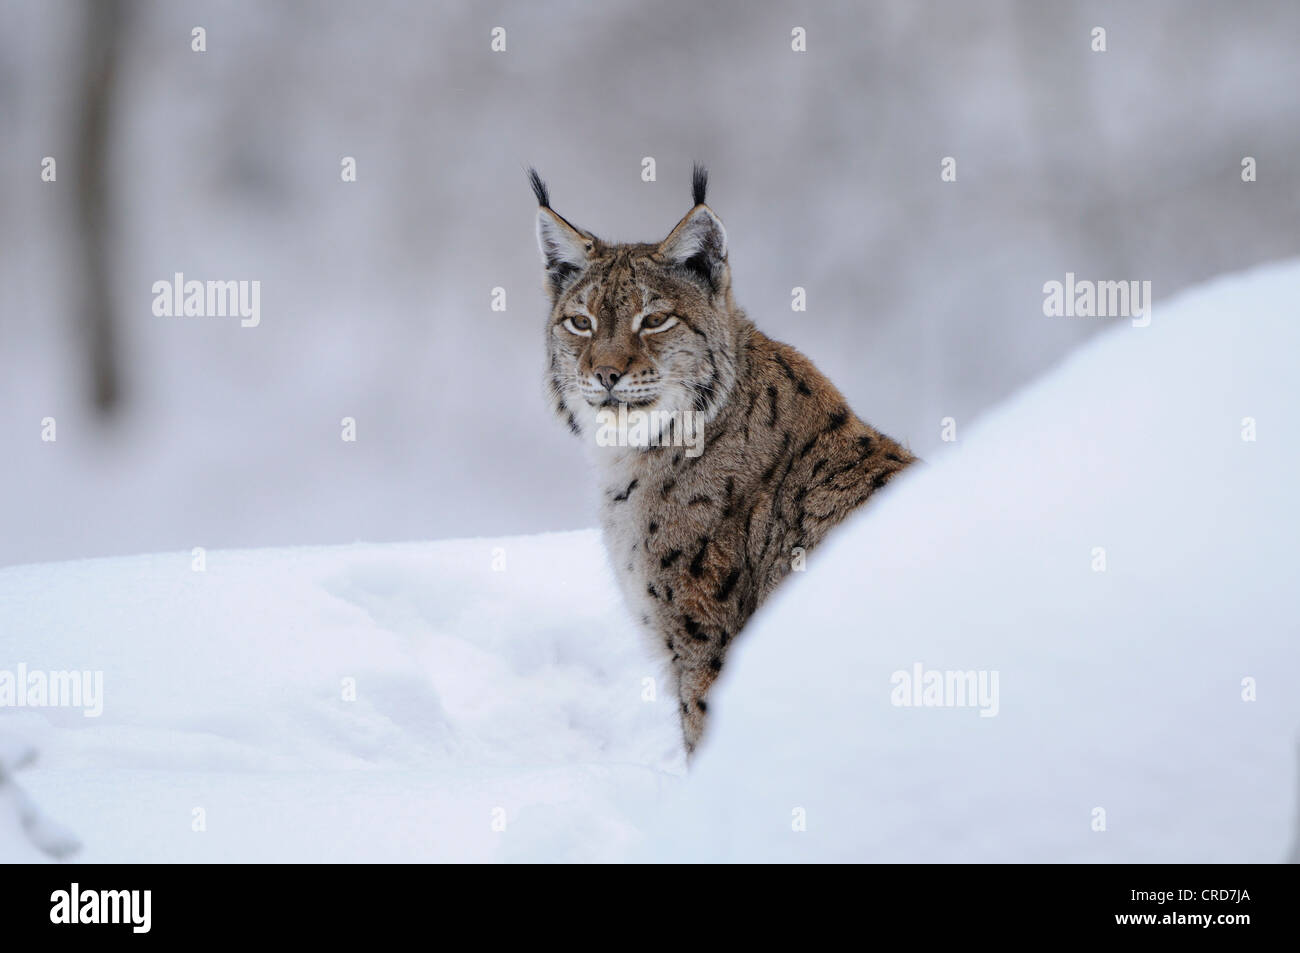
{"points": [[649, 326]]}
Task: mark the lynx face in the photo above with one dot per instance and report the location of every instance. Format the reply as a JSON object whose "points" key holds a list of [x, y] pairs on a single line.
{"points": [[642, 325]]}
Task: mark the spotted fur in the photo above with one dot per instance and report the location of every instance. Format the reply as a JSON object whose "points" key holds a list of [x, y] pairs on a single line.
{"points": [[697, 542]]}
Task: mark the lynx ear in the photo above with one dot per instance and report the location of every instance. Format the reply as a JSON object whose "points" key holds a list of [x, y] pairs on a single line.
{"points": [[699, 242], [565, 249]]}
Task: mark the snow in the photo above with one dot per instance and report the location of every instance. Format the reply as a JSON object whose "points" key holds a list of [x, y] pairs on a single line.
{"points": [[477, 688], [499, 679], [1120, 690]]}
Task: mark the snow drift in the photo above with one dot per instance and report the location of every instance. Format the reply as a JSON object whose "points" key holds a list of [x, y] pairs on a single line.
{"points": [[1113, 548], [1106, 544]]}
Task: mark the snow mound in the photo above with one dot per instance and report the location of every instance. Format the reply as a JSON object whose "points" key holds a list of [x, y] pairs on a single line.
{"points": [[489, 699], [1121, 692]]}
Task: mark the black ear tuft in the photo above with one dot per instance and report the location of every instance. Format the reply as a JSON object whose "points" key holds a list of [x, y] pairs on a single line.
{"points": [[699, 183], [539, 189]]}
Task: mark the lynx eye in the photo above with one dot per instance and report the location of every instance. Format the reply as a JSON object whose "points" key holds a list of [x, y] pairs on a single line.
{"points": [[658, 322], [578, 324]]}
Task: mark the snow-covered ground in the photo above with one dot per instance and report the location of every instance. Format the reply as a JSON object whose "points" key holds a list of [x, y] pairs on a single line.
{"points": [[502, 709], [488, 677], [1119, 690]]}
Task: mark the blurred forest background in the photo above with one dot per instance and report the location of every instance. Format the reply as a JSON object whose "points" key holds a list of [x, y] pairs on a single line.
{"points": [[924, 297]]}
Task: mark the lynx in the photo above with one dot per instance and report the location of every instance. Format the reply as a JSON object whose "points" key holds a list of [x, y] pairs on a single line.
{"points": [[697, 539]]}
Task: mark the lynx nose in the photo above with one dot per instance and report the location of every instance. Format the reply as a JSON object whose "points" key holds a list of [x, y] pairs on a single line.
{"points": [[607, 376]]}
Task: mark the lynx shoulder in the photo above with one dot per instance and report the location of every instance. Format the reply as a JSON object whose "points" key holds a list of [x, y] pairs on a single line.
{"points": [[723, 456]]}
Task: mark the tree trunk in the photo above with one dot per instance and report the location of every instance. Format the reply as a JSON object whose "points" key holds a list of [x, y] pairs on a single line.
{"points": [[97, 315]]}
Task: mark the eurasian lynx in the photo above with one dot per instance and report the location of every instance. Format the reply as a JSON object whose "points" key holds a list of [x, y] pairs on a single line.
{"points": [[721, 452]]}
